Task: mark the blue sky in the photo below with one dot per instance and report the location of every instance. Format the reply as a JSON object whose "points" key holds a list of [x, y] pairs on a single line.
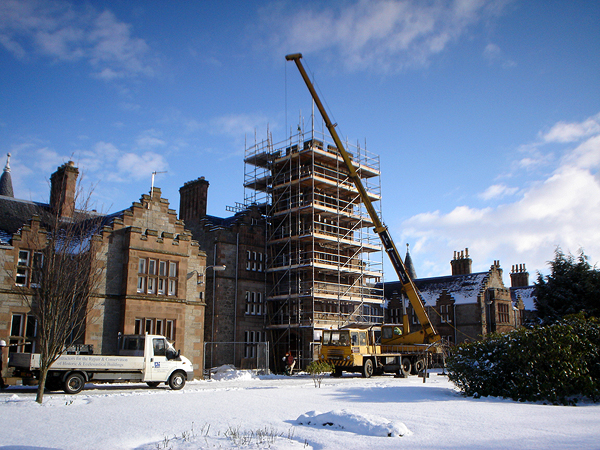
{"points": [[485, 114]]}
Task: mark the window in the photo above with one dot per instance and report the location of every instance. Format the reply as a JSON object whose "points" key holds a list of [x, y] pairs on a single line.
{"points": [[151, 267], [151, 285], [170, 331], [157, 277], [152, 325], [254, 261], [162, 268], [254, 303], [251, 339], [160, 347], [23, 258], [172, 287], [23, 331], [503, 316], [141, 285], [36, 273], [29, 270], [445, 314], [142, 266]]}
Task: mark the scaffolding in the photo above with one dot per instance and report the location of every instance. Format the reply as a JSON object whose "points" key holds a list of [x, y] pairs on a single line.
{"points": [[324, 260]]}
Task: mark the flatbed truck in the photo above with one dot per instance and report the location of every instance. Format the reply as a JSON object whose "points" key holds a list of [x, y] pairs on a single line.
{"points": [[140, 358]]}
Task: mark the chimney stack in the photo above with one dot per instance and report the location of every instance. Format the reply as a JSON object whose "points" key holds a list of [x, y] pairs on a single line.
{"points": [[519, 277], [461, 264], [193, 197], [63, 188]]}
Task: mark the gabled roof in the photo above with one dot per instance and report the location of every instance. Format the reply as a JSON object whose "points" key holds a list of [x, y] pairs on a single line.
{"points": [[463, 288]]}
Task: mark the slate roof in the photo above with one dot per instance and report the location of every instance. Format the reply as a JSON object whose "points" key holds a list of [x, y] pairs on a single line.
{"points": [[410, 267], [463, 288], [14, 213]]}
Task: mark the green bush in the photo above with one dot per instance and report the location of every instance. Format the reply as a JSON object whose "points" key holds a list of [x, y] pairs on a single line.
{"points": [[556, 363], [318, 369]]}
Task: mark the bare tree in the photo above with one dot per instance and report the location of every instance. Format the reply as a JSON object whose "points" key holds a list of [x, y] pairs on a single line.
{"points": [[67, 277]]}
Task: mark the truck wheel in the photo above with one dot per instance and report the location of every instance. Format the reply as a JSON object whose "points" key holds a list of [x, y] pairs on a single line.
{"points": [[405, 368], [153, 384], [337, 372], [73, 383], [367, 369], [177, 381], [419, 366]]}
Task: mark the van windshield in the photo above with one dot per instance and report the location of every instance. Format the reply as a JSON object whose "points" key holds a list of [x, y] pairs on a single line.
{"points": [[336, 337]]}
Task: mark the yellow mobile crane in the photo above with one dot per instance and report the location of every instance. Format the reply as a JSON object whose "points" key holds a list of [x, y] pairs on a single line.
{"points": [[388, 348]]}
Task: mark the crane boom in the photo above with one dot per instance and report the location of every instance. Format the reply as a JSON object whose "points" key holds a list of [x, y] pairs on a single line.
{"points": [[430, 335]]}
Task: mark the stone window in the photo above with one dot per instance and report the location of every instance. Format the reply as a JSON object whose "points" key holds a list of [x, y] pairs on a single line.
{"points": [[29, 273], [445, 314], [254, 261], [251, 339], [23, 331], [503, 315], [157, 277], [151, 325], [254, 303]]}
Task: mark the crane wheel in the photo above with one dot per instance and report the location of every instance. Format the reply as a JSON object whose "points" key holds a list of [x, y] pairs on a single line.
{"points": [[405, 368], [367, 370]]}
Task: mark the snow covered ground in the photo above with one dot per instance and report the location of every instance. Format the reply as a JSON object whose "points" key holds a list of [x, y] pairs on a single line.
{"points": [[239, 410]]}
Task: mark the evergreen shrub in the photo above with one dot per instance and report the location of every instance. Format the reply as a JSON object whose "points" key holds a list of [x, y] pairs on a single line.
{"points": [[318, 370], [556, 363]]}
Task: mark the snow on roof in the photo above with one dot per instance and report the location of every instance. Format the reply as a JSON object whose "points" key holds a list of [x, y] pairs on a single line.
{"points": [[526, 293], [462, 288]]}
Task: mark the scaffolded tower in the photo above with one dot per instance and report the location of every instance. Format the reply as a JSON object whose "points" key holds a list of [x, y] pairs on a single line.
{"points": [[323, 258]]}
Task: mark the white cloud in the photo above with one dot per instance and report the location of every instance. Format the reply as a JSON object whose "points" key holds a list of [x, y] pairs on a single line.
{"points": [[497, 191], [238, 126], [563, 209], [59, 30], [150, 139], [572, 132], [387, 35], [138, 167]]}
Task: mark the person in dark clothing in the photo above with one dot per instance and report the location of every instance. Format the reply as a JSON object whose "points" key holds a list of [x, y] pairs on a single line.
{"points": [[290, 362]]}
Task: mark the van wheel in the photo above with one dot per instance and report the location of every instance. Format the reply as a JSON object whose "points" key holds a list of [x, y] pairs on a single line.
{"points": [[367, 370], [73, 383], [153, 384], [177, 381]]}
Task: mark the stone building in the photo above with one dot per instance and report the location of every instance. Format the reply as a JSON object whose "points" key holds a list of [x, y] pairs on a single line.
{"points": [[235, 297], [464, 306], [151, 269]]}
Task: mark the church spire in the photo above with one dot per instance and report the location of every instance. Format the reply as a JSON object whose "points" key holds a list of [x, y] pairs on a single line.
{"points": [[6, 181], [410, 267]]}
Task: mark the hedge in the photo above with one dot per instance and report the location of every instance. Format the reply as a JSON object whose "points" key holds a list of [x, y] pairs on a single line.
{"points": [[557, 363]]}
